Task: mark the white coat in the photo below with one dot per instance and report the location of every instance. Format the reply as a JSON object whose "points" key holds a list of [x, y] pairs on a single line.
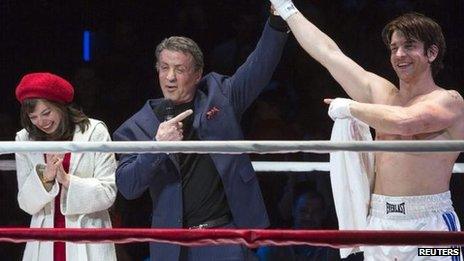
{"points": [[91, 191]]}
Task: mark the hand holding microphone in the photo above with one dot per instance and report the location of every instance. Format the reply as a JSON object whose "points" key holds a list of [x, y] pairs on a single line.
{"points": [[171, 129]]}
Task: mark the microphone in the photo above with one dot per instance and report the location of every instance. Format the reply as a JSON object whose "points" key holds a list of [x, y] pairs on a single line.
{"points": [[169, 113], [168, 109]]}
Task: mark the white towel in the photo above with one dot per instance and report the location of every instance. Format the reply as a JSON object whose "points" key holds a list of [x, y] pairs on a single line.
{"points": [[352, 178]]}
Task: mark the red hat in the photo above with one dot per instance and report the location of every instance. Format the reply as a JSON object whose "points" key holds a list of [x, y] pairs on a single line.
{"points": [[46, 86]]}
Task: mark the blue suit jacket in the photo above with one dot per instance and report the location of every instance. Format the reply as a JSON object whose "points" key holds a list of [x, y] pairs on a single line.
{"points": [[160, 174]]}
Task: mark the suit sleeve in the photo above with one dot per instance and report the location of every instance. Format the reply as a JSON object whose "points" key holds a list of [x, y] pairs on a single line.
{"points": [[135, 172], [32, 196], [251, 77], [87, 195]]}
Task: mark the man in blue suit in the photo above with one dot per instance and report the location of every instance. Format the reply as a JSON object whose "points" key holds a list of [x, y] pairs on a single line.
{"points": [[199, 190]]}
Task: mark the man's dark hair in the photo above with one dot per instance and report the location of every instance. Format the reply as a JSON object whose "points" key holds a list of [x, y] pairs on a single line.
{"points": [[184, 45], [415, 26]]}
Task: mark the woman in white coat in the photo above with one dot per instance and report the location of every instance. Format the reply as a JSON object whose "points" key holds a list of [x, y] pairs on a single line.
{"points": [[72, 190]]}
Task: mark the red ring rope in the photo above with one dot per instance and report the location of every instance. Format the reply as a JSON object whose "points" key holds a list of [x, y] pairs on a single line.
{"points": [[249, 237]]}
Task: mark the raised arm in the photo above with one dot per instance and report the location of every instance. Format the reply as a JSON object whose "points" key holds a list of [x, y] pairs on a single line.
{"points": [[256, 72], [361, 85]]}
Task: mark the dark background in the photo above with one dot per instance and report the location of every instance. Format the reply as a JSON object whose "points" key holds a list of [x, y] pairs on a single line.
{"points": [[46, 35]]}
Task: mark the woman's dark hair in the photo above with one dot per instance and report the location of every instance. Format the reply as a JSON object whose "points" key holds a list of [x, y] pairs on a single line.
{"points": [[70, 118]]}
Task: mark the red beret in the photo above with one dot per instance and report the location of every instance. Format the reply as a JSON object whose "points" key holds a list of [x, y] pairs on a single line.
{"points": [[45, 86]]}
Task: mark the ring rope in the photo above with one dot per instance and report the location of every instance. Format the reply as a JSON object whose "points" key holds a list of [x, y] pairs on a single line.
{"points": [[231, 147], [261, 166], [249, 237]]}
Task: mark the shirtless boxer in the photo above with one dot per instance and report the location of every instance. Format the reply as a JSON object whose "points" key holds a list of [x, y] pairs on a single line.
{"points": [[411, 189]]}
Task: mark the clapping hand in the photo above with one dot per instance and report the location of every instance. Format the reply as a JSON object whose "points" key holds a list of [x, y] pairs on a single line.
{"points": [[55, 170], [53, 163]]}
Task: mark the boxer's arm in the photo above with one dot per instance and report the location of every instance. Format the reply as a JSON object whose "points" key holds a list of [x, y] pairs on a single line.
{"points": [[423, 117], [360, 84]]}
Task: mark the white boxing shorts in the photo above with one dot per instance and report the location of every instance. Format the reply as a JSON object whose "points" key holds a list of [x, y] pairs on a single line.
{"points": [[418, 213]]}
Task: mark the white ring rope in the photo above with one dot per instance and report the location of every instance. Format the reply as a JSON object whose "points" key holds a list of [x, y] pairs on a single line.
{"points": [[261, 166], [231, 147]]}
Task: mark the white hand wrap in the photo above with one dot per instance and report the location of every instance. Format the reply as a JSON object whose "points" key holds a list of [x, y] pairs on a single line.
{"points": [[285, 8], [340, 108]]}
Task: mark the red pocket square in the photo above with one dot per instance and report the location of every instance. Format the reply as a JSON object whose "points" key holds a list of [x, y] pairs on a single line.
{"points": [[211, 112]]}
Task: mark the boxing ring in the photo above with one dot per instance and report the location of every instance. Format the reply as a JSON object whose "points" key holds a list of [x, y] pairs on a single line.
{"points": [[249, 237]]}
